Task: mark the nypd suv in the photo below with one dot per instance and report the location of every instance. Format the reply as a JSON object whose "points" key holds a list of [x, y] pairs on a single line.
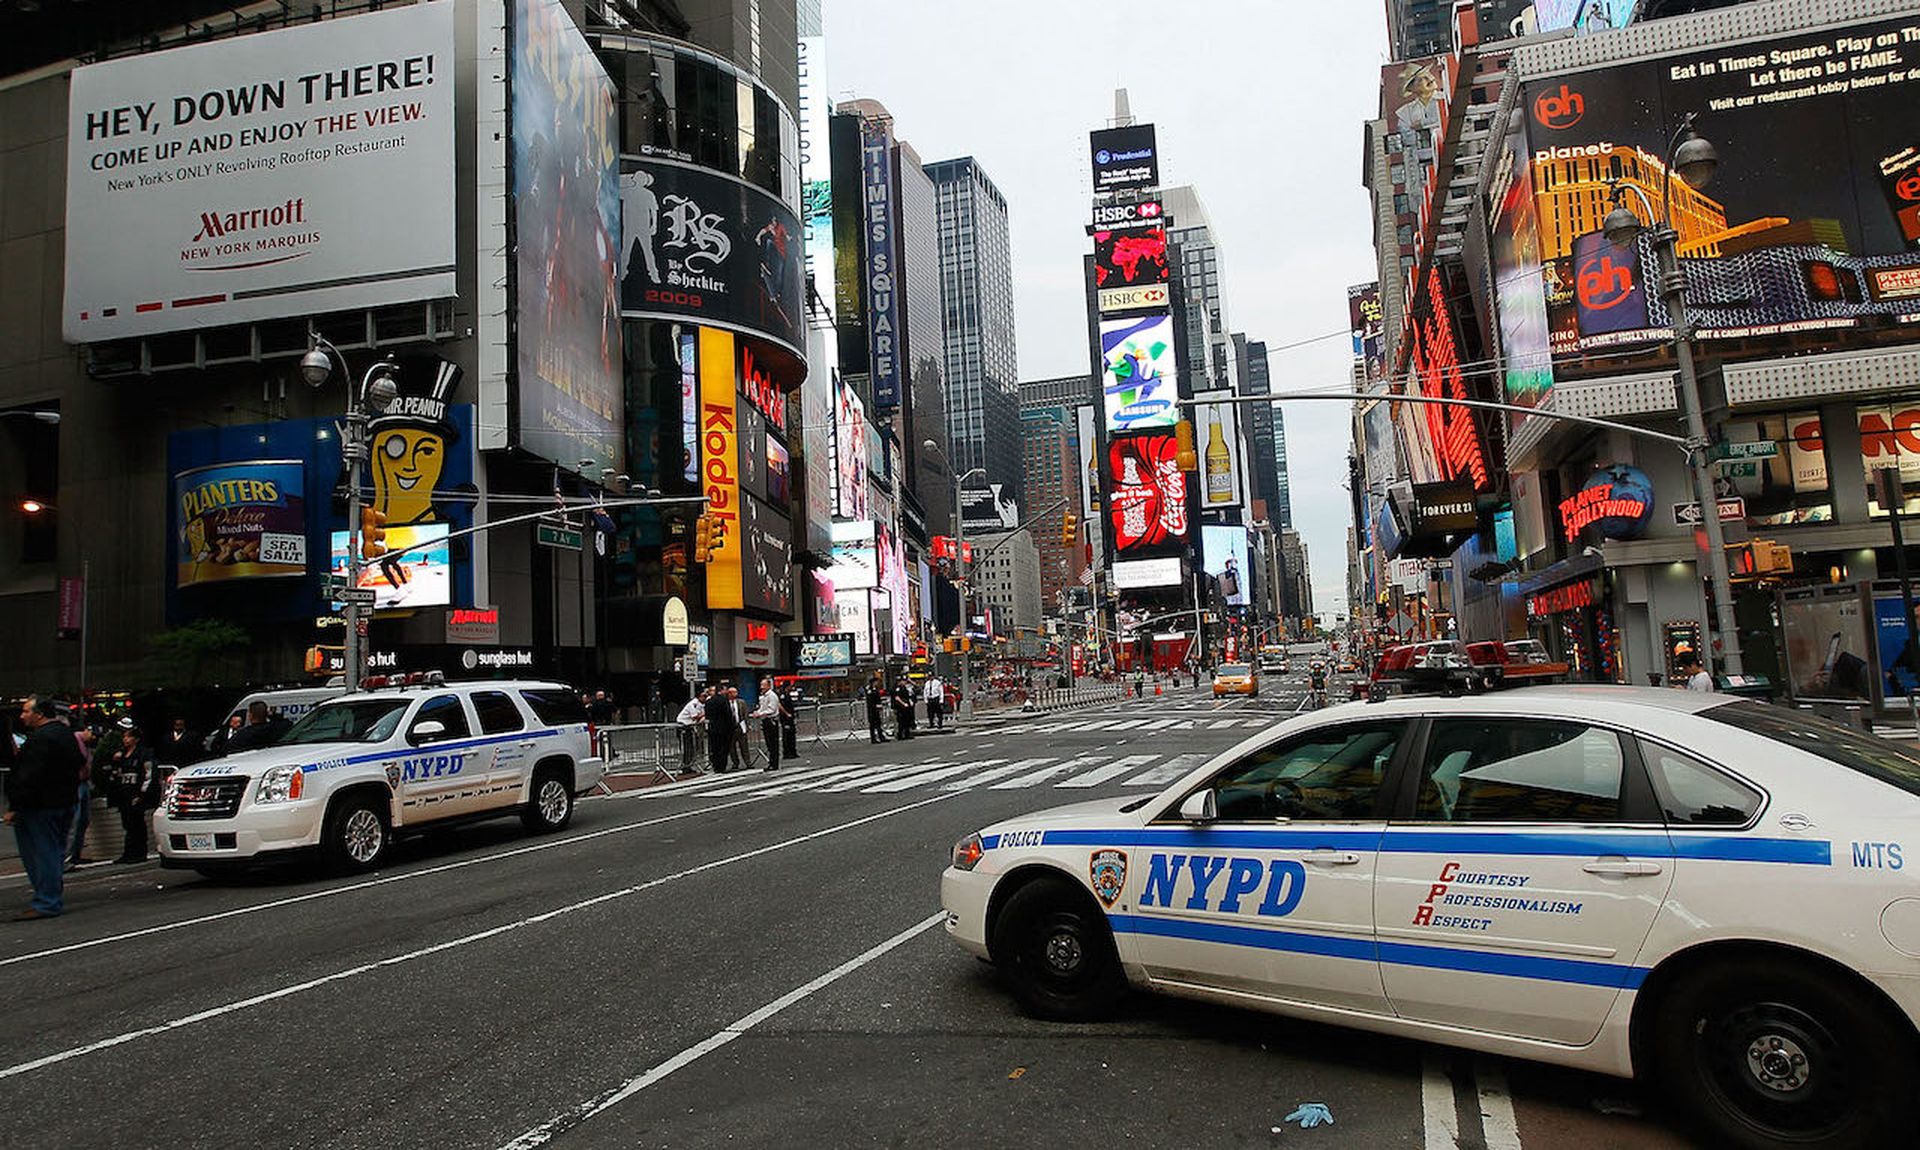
{"points": [[357, 770], [1707, 892]]}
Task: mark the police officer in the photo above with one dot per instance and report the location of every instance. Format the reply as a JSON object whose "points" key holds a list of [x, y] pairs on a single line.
{"points": [[133, 770], [876, 697]]}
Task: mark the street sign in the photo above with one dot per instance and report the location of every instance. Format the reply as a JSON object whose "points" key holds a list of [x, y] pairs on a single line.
{"points": [[1688, 514], [551, 536], [1762, 449], [355, 596], [1740, 469]]}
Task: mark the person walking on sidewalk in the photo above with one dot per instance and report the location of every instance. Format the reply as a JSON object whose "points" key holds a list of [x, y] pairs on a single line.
{"points": [[876, 696], [40, 790], [767, 710], [789, 722], [936, 702], [133, 770], [742, 749], [83, 809]]}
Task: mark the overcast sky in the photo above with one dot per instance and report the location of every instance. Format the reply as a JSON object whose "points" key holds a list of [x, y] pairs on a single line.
{"points": [[1258, 105]]}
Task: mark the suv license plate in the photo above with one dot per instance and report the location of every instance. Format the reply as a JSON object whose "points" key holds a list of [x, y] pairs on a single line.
{"points": [[200, 842]]}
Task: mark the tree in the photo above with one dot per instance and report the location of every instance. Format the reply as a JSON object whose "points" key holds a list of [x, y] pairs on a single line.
{"points": [[186, 653]]}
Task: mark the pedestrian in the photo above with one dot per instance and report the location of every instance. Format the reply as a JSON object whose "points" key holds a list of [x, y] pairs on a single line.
{"points": [[742, 750], [134, 774], [180, 747], [264, 728], [903, 708], [83, 808], [689, 720], [876, 693], [40, 787], [721, 729], [767, 710], [936, 702], [221, 741], [789, 721], [601, 710], [1697, 677]]}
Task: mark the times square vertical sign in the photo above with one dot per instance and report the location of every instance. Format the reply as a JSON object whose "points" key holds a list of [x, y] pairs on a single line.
{"points": [[882, 268]]}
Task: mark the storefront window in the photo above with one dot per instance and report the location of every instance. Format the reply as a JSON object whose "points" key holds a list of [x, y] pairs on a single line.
{"points": [[1890, 437], [1789, 486]]}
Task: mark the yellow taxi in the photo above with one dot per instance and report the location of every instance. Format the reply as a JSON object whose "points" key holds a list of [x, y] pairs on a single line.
{"points": [[1235, 679]]}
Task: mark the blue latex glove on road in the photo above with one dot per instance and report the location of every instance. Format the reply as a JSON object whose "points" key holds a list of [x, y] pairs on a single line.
{"points": [[1311, 1114]]}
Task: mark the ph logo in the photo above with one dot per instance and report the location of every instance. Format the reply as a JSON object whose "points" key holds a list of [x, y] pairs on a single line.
{"points": [[1908, 187], [1562, 109], [1601, 283]]}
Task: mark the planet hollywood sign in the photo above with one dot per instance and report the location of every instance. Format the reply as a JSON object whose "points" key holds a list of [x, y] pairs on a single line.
{"points": [[1619, 500]]}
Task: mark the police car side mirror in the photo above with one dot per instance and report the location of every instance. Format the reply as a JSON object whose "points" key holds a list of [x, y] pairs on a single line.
{"points": [[1200, 807], [426, 732]]}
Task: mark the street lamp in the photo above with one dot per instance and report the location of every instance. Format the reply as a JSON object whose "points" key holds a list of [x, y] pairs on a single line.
{"points": [[41, 416], [960, 541], [1695, 161], [376, 393]]}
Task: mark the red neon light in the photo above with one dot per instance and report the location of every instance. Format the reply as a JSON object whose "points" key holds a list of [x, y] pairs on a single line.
{"points": [[1436, 365], [1590, 505]]}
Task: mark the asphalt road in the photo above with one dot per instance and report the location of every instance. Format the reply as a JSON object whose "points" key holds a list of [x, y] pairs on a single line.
{"points": [[737, 960]]}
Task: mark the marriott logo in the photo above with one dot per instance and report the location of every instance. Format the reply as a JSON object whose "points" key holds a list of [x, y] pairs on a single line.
{"points": [[214, 225]]}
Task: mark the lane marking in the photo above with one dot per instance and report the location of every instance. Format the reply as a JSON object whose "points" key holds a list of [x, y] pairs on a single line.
{"points": [[1170, 770], [934, 774], [771, 783], [1032, 778], [122, 1039], [1439, 1118], [544, 1133], [1498, 1127], [368, 884], [1112, 770], [988, 776]]}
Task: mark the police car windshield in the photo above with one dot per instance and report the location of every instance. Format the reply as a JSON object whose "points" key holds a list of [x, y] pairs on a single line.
{"points": [[1876, 758], [360, 721]]}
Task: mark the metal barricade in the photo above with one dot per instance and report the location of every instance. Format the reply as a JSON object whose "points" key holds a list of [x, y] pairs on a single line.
{"points": [[659, 747]]}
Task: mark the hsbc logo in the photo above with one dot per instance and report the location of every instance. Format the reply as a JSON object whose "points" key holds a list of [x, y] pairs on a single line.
{"points": [[1559, 110], [1139, 214], [1600, 283]]}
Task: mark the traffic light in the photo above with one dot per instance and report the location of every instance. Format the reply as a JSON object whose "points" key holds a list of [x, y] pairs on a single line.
{"points": [[949, 644], [1069, 528], [373, 533], [703, 539], [1184, 456]]}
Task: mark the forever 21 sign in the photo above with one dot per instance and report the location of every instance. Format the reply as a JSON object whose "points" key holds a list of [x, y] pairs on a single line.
{"points": [[703, 246]]}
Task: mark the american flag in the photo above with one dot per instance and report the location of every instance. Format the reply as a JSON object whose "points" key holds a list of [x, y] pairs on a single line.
{"points": [[1086, 577]]}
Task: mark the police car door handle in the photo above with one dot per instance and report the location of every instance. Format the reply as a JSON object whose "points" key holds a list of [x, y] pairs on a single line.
{"points": [[1326, 857], [1621, 868]]}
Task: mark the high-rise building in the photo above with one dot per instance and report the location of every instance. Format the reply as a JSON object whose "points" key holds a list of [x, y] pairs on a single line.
{"points": [[1267, 476], [1007, 578], [1281, 509], [1052, 482], [976, 289], [1209, 360], [1419, 27], [1296, 581], [1061, 391]]}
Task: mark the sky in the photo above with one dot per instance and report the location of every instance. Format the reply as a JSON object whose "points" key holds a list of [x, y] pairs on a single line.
{"points": [[1257, 104]]}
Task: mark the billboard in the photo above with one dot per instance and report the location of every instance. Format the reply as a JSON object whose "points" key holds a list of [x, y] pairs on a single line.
{"points": [[1141, 574], [1366, 322], [566, 211], [817, 395], [891, 551], [1146, 495], [1088, 439], [856, 562], [1413, 102], [766, 540], [849, 454], [816, 180], [702, 246], [243, 520], [1223, 458], [824, 654], [192, 203], [882, 262], [720, 469], [417, 578], [1130, 214], [1519, 288], [1586, 15], [1225, 555], [1124, 158], [1809, 234], [1452, 435], [1140, 372], [1130, 269], [989, 508]]}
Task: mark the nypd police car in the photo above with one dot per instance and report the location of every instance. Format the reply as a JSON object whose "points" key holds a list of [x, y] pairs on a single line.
{"points": [[359, 769], [1706, 892]]}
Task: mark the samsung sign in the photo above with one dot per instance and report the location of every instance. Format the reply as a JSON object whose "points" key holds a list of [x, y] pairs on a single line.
{"points": [[1124, 158], [882, 269]]}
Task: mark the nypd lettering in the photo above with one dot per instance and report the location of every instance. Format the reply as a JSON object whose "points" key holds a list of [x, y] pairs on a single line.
{"points": [[1443, 894], [431, 766], [1229, 885]]}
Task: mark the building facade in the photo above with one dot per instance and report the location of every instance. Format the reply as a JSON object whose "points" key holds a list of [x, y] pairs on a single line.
{"points": [[1007, 580]]}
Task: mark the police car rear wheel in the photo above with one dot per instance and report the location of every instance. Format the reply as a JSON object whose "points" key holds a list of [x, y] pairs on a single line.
{"points": [[1054, 947], [357, 836], [1771, 1053]]}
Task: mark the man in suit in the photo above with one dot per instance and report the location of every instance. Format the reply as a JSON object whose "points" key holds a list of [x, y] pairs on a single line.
{"points": [[876, 697], [41, 787], [722, 728]]}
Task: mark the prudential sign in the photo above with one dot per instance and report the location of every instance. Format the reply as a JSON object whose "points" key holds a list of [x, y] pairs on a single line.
{"points": [[1124, 158], [254, 177]]}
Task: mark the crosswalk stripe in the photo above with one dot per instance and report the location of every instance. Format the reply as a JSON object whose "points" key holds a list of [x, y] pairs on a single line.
{"points": [[852, 782], [1159, 724], [1045, 773], [1113, 770], [1222, 724], [1168, 771], [1127, 724], [777, 784], [908, 782], [993, 773]]}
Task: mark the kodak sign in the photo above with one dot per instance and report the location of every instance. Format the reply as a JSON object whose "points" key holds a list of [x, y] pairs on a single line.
{"points": [[720, 467]]}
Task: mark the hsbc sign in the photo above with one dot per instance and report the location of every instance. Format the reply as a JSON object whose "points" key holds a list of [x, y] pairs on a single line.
{"points": [[1119, 217], [1141, 297]]}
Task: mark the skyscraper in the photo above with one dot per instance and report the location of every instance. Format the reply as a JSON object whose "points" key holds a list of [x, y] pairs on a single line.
{"points": [[1419, 27], [976, 289], [1267, 480], [1281, 509], [1209, 352]]}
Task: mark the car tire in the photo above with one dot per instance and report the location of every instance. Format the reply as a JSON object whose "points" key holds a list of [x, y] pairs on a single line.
{"points": [[1052, 944], [1770, 1052], [549, 802], [357, 835]]}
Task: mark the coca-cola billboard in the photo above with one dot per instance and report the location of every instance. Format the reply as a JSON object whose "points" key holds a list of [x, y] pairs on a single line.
{"points": [[1147, 495]]}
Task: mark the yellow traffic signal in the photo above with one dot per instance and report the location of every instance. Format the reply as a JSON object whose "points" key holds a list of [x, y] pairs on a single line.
{"points": [[1069, 528], [1184, 456], [949, 644], [702, 539], [373, 533]]}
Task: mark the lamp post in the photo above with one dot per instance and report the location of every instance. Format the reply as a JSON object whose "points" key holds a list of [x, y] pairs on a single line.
{"points": [[960, 541], [1695, 160], [376, 391]]}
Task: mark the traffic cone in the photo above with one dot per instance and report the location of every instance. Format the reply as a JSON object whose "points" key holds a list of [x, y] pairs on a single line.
{"points": [[1156, 689]]}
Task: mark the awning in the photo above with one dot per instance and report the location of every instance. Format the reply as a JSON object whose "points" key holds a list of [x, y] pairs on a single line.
{"points": [[1565, 571]]}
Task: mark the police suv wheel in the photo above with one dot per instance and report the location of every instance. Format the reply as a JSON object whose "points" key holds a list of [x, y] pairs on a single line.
{"points": [[1053, 945], [1768, 1053], [550, 807], [357, 835]]}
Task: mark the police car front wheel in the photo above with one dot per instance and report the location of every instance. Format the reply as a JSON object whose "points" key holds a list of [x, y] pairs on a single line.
{"points": [[1053, 945], [357, 835], [1772, 1053]]}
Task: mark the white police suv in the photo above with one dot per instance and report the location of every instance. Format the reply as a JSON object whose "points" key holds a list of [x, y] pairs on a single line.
{"points": [[1710, 893], [359, 769]]}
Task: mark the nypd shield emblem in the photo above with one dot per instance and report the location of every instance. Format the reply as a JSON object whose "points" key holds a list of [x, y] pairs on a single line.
{"points": [[393, 775], [1109, 873]]}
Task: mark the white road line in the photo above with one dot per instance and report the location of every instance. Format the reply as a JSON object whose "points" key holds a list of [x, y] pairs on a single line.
{"points": [[934, 773], [711, 784], [774, 784], [1497, 1124], [1127, 724], [368, 884], [1168, 771], [67, 1055], [1112, 770], [1439, 1120], [853, 782], [1159, 724], [1044, 773], [543, 1133], [1221, 724], [991, 774]]}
